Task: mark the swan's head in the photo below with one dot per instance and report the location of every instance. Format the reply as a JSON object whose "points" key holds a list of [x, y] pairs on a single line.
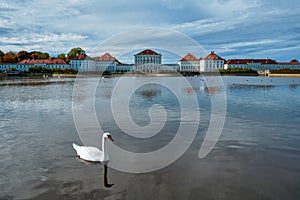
{"points": [[107, 135]]}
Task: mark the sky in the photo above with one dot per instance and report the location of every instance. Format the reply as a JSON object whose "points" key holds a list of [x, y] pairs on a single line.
{"points": [[230, 28]]}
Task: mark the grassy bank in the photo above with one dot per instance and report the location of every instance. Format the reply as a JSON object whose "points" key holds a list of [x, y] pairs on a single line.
{"points": [[1, 75], [238, 72], [285, 71]]}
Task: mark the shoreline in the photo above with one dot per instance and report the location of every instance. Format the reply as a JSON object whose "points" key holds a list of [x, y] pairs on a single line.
{"points": [[285, 75], [82, 75], [64, 75], [33, 83]]}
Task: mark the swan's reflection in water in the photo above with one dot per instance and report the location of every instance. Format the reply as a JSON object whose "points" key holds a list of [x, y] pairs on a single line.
{"points": [[105, 179]]}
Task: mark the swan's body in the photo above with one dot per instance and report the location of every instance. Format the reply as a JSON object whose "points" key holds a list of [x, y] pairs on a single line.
{"points": [[94, 154]]}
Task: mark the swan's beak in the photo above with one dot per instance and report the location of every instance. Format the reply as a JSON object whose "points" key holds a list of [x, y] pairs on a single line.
{"points": [[110, 138]]}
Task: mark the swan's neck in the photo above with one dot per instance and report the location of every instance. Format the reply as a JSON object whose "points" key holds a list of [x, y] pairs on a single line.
{"points": [[104, 155], [104, 146]]}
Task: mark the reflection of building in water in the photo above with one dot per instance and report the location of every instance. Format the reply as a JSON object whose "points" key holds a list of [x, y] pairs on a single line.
{"points": [[189, 90], [211, 90], [149, 91]]}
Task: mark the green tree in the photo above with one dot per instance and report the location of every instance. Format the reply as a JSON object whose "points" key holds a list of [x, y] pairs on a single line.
{"points": [[62, 56], [294, 60], [39, 55], [1, 55], [57, 71], [9, 57], [74, 52], [69, 71], [39, 69], [22, 55], [42, 55]]}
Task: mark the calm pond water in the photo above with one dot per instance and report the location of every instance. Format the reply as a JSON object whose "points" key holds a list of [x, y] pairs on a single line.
{"points": [[256, 157]]}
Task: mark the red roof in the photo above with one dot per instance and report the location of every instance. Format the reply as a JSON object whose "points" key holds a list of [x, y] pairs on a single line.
{"points": [[147, 52], [246, 61], [106, 57], [82, 57], [43, 61], [213, 56], [189, 57], [289, 63]]}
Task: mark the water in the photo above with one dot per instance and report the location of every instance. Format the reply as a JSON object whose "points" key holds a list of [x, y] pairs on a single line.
{"points": [[256, 157]]}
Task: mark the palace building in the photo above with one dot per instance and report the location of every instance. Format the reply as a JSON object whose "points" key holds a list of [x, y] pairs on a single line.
{"points": [[149, 61], [212, 62], [147, 56], [189, 63], [24, 65], [260, 64], [82, 62], [106, 62]]}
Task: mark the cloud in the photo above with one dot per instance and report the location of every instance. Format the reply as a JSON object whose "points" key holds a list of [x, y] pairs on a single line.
{"points": [[251, 31], [126, 44], [41, 38], [231, 27], [45, 41]]}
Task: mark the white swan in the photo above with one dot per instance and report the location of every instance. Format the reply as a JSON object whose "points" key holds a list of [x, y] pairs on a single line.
{"points": [[94, 154]]}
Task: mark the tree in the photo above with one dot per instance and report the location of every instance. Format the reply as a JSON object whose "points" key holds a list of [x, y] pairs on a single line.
{"points": [[39, 55], [74, 52], [62, 56], [39, 69], [294, 60], [33, 56], [42, 55], [1, 54], [22, 55], [9, 57]]}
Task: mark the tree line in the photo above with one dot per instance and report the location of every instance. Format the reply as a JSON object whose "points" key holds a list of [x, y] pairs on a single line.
{"points": [[13, 57]]}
